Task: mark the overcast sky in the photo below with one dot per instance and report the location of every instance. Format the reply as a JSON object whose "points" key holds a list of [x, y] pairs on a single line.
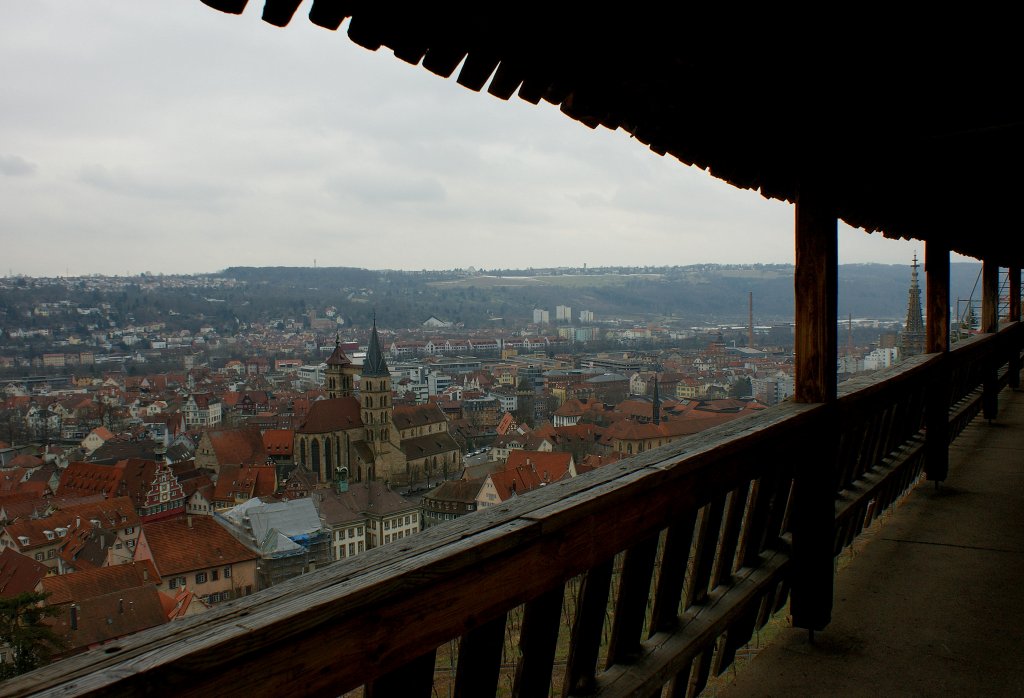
{"points": [[168, 137]]}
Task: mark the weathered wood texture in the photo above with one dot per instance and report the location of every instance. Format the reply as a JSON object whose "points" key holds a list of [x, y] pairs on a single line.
{"points": [[1013, 315], [937, 304], [990, 323], [706, 522], [815, 293]]}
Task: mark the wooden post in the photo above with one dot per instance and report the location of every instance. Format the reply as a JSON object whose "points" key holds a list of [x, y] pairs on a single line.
{"points": [[813, 523], [936, 267], [1014, 316], [990, 324]]}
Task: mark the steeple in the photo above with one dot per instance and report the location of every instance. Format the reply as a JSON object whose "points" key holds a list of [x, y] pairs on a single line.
{"points": [[374, 366], [913, 336], [340, 372]]}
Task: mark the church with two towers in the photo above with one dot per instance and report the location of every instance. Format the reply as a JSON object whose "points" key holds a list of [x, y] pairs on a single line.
{"points": [[356, 435]]}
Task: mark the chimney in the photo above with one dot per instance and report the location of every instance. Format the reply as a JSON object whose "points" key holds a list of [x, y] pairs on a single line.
{"points": [[145, 574], [188, 519], [74, 617], [120, 605]]}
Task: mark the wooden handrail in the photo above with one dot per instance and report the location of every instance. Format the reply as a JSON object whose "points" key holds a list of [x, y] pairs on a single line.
{"points": [[704, 521]]}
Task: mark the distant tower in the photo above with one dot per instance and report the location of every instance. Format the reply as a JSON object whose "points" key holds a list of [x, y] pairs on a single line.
{"points": [[375, 395], [913, 336], [340, 372]]}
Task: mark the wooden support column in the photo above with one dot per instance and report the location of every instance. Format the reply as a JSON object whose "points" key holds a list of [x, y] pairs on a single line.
{"points": [[990, 324], [1014, 316], [813, 518], [936, 267]]}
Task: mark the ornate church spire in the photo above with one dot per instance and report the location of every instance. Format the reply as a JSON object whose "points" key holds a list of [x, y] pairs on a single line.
{"points": [[913, 336], [375, 365]]}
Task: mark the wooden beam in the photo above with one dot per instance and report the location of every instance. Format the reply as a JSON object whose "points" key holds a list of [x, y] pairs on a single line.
{"points": [[990, 323], [813, 518], [1014, 316], [936, 267], [815, 287]]}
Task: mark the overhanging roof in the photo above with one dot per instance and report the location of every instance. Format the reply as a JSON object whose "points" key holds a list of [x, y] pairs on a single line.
{"points": [[914, 131]]}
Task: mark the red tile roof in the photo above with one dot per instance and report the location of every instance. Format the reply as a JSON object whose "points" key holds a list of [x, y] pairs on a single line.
{"points": [[109, 616], [551, 467], [241, 446], [187, 544], [337, 414], [278, 442], [68, 588], [18, 573]]}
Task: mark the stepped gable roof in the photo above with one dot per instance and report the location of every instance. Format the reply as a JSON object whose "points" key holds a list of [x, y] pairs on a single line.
{"points": [[68, 588], [374, 366], [19, 573], [185, 544], [334, 414], [408, 416], [238, 446], [428, 445], [338, 356], [551, 466], [109, 616]]}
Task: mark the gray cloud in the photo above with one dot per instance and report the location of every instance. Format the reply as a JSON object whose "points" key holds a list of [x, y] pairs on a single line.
{"points": [[16, 166]]}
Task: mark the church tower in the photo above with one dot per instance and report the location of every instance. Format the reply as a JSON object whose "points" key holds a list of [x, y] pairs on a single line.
{"points": [[340, 374], [375, 398], [912, 338]]}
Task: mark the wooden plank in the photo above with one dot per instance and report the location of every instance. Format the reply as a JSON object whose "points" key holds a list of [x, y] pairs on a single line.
{"points": [[1014, 316], [815, 294], [413, 679], [537, 642], [631, 604], [672, 576], [329, 14], [480, 659], [279, 12], [588, 625]]}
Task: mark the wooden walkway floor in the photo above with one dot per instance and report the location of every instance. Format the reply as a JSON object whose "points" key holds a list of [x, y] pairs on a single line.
{"points": [[932, 604]]}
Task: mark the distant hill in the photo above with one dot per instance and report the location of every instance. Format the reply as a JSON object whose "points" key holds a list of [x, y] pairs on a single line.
{"points": [[713, 293]]}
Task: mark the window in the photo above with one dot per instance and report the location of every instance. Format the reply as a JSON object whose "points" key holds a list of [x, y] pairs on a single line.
{"points": [[227, 573], [49, 554], [130, 530], [214, 598], [351, 549], [130, 543], [172, 583], [200, 577], [360, 548], [39, 556], [359, 531], [214, 575]]}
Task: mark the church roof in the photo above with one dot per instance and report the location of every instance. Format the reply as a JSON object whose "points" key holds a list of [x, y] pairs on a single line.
{"points": [[374, 365], [335, 414]]}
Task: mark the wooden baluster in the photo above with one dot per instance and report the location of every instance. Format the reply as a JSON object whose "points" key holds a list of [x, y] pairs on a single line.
{"points": [[990, 323], [815, 294], [704, 556], [585, 643], [674, 560], [701, 671], [480, 659], [413, 679], [631, 606], [730, 535], [537, 640]]}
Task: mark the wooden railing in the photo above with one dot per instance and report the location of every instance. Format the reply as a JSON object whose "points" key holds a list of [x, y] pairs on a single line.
{"points": [[646, 573]]}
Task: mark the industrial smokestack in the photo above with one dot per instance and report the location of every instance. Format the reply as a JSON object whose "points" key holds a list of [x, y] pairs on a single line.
{"points": [[750, 322]]}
